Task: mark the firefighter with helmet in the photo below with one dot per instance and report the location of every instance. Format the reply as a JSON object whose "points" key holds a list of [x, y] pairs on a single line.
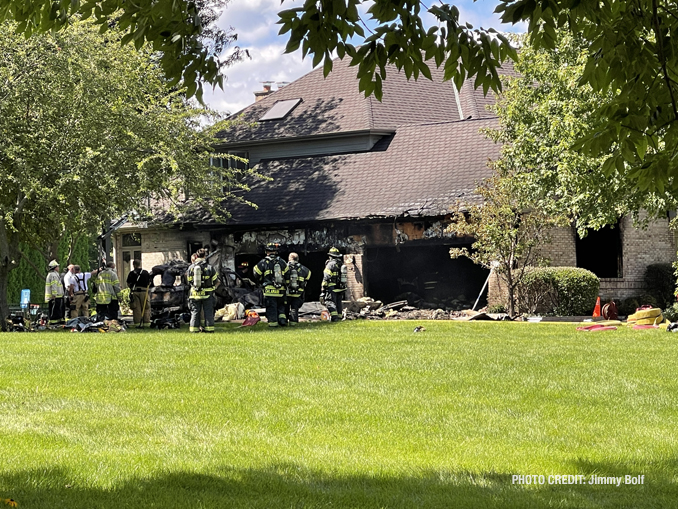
{"points": [[202, 279], [334, 284], [298, 276], [273, 274], [54, 295]]}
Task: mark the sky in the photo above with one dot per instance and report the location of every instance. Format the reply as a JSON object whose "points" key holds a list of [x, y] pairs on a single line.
{"points": [[255, 23]]}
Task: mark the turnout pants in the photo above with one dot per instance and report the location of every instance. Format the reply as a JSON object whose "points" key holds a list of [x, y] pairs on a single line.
{"points": [[275, 311], [206, 306], [79, 305], [293, 305], [141, 308], [107, 311], [56, 311], [334, 305]]}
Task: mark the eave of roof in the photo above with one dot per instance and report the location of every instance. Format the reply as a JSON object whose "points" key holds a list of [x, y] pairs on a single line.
{"points": [[386, 131]]}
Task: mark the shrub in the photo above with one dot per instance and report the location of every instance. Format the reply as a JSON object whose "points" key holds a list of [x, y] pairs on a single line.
{"points": [[564, 291], [671, 312], [660, 282], [628, 306], [496, 308], [124, 302], [650, 300]]}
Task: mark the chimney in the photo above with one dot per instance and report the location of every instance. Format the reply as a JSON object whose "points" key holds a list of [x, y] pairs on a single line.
{"points": [[266, 91]]}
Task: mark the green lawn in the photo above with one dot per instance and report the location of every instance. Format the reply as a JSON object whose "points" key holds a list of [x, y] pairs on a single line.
{"points": [[352, 415]]}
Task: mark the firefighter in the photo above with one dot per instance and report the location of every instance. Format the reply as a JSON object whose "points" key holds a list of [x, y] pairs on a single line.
{"points": [[54, 295], [139, 281], [202, 279], [334, 284], [272, 273], [107, 292], [298, 277]]}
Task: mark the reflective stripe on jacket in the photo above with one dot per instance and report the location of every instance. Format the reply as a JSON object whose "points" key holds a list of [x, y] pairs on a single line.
{"points": [[108, 286], [53, 287], [332, 277], [264, 274], [207, 283]]}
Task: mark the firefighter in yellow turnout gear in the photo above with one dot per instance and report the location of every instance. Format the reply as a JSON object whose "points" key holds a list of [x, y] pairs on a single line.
{"points": [[273, 274], [335, 277], [108, 293], [54, 295], [202, 279]]}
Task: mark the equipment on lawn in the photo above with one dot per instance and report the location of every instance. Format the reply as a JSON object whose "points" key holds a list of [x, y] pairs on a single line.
{"points": [[252, 319]]}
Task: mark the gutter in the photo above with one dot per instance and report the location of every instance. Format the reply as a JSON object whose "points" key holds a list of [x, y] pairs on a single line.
{"points": [[310, 137]]}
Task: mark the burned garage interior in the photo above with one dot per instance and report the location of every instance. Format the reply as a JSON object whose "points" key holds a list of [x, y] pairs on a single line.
{"points": [[384, 266]]}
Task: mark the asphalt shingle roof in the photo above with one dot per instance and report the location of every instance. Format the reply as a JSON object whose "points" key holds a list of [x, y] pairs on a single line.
{"points": [[334, 105], [422, 170], [435, 158]]}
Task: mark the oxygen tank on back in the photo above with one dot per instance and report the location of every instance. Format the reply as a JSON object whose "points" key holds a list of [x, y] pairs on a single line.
{"points": [[294, 276], [197, 276], [277, 275], [344, 275]]}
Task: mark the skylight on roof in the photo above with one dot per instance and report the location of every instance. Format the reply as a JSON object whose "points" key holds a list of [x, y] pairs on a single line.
{"points": [[280, 109]]}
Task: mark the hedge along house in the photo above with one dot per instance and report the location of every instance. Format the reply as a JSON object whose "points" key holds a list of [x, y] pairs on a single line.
{"points": [[377, 180]]}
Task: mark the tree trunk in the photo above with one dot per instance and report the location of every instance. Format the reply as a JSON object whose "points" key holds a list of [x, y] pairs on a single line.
{"points": [[4, 305], [6, 265], [510, 290]]}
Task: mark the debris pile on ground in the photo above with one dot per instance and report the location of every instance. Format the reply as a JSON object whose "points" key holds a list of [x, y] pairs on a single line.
{"points": [[370, 309]]}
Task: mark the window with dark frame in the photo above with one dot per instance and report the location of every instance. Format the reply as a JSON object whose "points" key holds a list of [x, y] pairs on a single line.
{"points": [[131, 240]]}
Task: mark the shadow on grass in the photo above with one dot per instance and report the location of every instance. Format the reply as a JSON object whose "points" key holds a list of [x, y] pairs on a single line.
{"points": [[290, 486]]}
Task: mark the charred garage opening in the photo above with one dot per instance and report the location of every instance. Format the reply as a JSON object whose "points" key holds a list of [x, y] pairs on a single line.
{"points": [[314, 260], [425, 276]]}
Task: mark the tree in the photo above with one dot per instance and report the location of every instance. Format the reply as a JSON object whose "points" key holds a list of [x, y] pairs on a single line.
{"points": [[90, 130], [508, 231], [630, 55], [542, 113], [184, 32]]}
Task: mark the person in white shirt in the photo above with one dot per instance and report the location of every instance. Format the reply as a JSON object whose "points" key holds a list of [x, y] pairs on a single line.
{"points": [[80, 297], [69, 282]]}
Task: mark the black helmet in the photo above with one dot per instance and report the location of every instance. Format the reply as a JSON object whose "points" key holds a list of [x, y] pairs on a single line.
{"points": [[272, 246]]}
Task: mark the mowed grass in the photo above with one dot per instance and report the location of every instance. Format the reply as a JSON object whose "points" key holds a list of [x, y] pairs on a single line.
{"points": [[349, 415]]}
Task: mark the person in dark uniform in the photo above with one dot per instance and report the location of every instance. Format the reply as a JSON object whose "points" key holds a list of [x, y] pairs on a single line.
{"points": [[139, 281], [202, 279], [334, 284], [272, 274], [298, 277]]}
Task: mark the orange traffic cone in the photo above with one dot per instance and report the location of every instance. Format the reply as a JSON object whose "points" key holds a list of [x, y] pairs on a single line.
{"points": [[596, 310]]}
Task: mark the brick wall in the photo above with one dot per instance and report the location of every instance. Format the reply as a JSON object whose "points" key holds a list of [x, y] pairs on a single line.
{"points": [[561, 251], [157, 247], [356, 278], [640, 248]]}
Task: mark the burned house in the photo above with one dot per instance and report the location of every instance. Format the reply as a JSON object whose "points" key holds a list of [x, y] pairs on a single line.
{"points": [[375, 179]]}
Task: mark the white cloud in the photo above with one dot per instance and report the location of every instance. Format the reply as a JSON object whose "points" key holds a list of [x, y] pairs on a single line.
{"points": [[268, 63]]}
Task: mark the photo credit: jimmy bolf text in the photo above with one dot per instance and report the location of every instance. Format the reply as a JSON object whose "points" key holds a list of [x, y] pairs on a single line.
{"points": [[594, 479]]}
